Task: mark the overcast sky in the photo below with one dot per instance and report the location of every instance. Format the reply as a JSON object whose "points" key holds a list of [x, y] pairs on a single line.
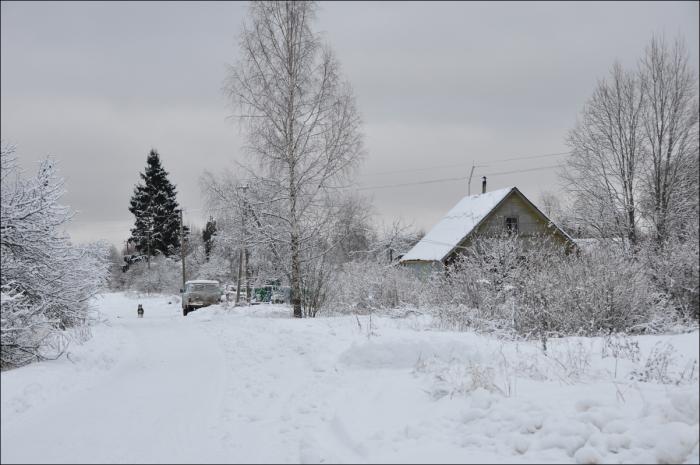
{"points": [[97, 85]]}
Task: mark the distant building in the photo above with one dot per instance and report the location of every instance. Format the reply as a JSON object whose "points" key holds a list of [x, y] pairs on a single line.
{"points": [[503, 210]]}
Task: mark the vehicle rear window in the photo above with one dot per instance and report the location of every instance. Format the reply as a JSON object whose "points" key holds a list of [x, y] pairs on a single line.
{"points": [[204, 287]]}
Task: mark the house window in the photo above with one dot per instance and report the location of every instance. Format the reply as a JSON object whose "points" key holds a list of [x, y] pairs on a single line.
{"points": [[512, 225]]}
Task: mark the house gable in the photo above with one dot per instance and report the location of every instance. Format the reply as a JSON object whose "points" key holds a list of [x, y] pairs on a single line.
{"points": [[482, 215], [530, 222]]}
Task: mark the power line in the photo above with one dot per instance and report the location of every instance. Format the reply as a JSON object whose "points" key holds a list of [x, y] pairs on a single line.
{"points": [[432, 181], [523, 170], [462, 178], [108, 229], [534, 156], [427, 168], [479, 165], [388, 186]]}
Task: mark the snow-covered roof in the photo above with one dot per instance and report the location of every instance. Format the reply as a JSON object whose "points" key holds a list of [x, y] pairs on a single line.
{"points": [[455, 226], [202, 281]]}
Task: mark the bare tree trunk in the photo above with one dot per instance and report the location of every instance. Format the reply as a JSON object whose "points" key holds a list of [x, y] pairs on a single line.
{"points": [[296, 275]]}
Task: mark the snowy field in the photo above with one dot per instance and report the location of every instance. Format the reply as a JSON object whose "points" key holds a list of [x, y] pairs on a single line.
{"points": [[253, 385]]}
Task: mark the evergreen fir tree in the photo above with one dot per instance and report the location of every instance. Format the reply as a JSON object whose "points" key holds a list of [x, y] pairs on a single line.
{"points": [[208, 236], [156, 210]]}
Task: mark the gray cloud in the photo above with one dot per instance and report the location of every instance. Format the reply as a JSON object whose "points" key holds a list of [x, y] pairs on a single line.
{"points": [[99, 84]]}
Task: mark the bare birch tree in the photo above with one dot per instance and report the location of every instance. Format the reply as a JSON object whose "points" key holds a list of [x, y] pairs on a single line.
{"points": [[302, 127], [670, 123], [602, 173]]}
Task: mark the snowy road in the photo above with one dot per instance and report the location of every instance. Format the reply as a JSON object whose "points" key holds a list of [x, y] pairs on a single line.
{"points": [[252, 385], [143, 409]]}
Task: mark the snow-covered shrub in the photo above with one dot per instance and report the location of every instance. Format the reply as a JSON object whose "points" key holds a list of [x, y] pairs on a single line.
{"points": [[25, 327], [535, 289], [365, 286], [573, 358], [217, 267], [315, 284], [601, 292], [532, 288], [457, 377], [116, 278], [656, 367], [674, 271], [46, 282], [163, 276], [452, 378], [620, 346]]}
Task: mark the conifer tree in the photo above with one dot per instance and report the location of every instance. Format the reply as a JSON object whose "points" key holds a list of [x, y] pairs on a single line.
{"points": [[156, 210], [208, 236]]}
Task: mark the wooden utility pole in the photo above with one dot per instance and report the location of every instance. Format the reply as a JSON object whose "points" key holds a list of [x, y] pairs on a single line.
{"points": [[148, 260], [247, 277], [240, 267], [148, 256], [243, 254], [246, 255], [182, 248]]}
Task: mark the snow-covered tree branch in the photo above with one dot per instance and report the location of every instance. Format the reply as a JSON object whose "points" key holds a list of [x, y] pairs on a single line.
{"points": [[46, 281]]}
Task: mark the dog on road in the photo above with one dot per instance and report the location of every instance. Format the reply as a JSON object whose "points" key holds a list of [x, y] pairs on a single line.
{"points": [[140, 311]]}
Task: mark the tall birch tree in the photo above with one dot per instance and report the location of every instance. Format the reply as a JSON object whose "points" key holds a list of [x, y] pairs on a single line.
{"points": [[302, 127]]}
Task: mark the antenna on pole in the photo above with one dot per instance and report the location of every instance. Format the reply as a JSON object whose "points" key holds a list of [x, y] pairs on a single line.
{"points": [[469, 184]]}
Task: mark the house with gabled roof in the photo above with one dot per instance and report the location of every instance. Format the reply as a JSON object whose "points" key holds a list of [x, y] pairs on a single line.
{"points": [[503, 210]]}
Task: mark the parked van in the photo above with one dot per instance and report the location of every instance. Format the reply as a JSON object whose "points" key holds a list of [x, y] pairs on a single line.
{"points": [[200, 293]]}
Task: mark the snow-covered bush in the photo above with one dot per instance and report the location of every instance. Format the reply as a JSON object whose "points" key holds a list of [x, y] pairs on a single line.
{"points": [[365, 286], [620, 346], [532, 288], [674, 271], [217, 267], [315, 285], [452, 378], [25, 327], [538, 290], [163, 276], [601, 292], [478, 288], [46, 282], [656, 367]]}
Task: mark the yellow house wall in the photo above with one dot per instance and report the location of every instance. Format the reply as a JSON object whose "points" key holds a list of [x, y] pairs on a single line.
{"points": [[530, 222]]}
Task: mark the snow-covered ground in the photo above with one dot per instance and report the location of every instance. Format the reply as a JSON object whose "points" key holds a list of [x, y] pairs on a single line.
{"points": [[253, 385]]}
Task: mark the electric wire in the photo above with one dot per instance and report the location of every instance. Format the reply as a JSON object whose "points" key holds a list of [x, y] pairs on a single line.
{"points": [[462, 178], [476, 164]]}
